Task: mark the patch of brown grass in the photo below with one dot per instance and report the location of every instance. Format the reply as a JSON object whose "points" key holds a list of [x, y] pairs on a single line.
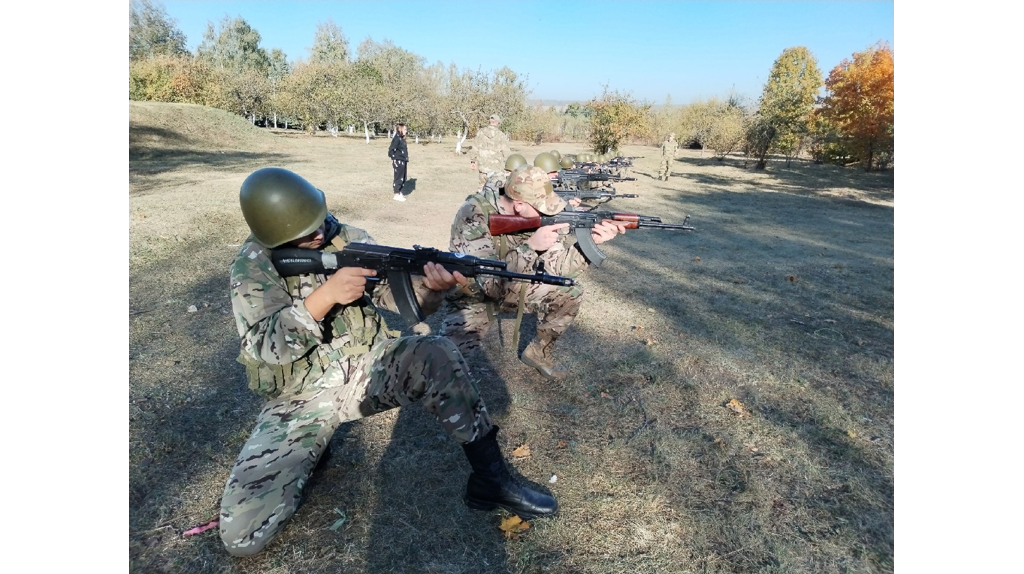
{"points": [[654, 472]]}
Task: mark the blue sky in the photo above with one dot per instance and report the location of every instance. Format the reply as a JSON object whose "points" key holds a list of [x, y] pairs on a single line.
{"points": [[569, 50]]}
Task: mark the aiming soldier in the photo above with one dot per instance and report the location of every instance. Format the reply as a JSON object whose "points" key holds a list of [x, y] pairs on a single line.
{"points": [[527, 193], [318, 352]]}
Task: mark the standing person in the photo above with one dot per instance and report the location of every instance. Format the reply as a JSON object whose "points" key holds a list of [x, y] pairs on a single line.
{"points": [[527, 193], [490, 149], [668, 155], [318, 352], [399, 154]]}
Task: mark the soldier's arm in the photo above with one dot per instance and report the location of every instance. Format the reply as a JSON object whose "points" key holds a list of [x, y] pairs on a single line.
{"points": [[274, 328], [469, 235]]}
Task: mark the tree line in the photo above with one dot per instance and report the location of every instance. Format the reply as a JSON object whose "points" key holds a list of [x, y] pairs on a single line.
{"points": [[380, 84]]}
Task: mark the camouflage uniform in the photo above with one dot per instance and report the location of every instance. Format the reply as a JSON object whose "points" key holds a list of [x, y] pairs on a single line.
{"points": [[316, 375], [668, 154], [490, 150], [469, 314]]}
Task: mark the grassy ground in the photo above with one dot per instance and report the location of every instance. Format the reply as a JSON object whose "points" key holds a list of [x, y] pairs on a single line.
{"points": [[730, 407]]}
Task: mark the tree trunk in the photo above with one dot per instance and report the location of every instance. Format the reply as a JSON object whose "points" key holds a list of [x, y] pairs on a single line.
{"points": [[366, 132], [275, 120], [417, 138]]}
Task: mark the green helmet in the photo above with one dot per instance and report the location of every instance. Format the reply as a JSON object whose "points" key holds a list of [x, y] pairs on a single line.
{"points": [[566, 163], [557, 155], [515, 160], [547, 162], [280, 206]]}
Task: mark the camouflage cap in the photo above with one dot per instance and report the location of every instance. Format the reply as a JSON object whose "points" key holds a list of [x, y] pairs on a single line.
{"points": [[495, 118], [531, 184]]}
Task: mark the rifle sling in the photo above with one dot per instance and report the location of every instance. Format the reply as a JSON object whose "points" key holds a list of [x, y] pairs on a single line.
{"points": [[519, 315]]}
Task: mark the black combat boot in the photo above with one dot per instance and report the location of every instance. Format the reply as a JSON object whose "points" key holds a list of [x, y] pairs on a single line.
{"points": [[491, 485]]}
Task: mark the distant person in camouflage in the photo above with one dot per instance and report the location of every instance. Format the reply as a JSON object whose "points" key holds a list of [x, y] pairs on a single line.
{"points": [[490, 149], [668, 155], [527, 193], [318, 352]]}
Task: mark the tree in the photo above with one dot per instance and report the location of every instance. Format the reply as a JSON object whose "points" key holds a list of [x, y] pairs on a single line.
{"points": [[181, 79], [236, 48], [615, 118], [860, 103], [313, 94], [786, 103], [330, 46], [277, 72], [714, 124], [151, 32]]}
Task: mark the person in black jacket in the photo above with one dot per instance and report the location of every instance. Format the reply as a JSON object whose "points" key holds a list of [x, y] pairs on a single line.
{"points": [[399, 154]]}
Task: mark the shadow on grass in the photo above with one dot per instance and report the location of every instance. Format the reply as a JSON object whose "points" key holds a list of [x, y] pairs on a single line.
{"points": [[782, 301]]}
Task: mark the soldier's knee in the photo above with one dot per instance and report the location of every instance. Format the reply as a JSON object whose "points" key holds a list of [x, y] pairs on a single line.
{"points": [[242, 544]]}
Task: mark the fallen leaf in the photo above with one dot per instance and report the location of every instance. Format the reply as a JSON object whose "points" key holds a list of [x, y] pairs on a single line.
{"points": [[512, 526], [337, 523], [605, 395], [637, 328], [522, 452], [650, 342], [201, 529], [562, 444], [737, 407], [851, 434], [696, 259]]}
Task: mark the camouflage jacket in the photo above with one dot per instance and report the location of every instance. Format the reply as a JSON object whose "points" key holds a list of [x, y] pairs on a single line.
{"points": [[490, 149], [668, 148], [470, 236], [283, 348]]}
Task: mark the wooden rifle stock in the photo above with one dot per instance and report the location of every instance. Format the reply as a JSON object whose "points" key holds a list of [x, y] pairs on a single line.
{"points": [[499, 224]]}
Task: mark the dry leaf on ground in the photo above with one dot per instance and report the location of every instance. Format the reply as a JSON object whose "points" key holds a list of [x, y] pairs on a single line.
{"points": [[513, 526], [522, 452], [737, 407]]}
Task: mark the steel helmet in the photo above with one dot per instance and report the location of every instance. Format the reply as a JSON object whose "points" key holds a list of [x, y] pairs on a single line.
{"points": [[515, 160], [547, 162], [280, 206]]}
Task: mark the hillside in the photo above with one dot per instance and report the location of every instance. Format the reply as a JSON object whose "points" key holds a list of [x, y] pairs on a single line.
{"points": [[156, 128]]}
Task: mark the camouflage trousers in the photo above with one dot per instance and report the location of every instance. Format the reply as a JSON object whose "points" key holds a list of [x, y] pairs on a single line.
{"points": [[265, 486], [663, 171], [467, 322]]}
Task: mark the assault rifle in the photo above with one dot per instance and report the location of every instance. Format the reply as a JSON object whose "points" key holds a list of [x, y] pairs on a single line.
{"points": [[592, 194], [596, 176], [580, 224], [397, 265], [571, 180]]}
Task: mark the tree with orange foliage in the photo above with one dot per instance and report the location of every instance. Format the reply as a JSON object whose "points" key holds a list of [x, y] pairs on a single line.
{"points": [[860, 103]]}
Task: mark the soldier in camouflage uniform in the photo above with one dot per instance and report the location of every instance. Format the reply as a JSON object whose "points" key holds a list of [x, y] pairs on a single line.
{"points": [[668, 155], [316, 349], [527, 193], [490, 149]]}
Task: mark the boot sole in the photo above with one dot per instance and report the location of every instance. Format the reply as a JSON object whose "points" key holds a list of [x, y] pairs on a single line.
{"points": [[485, 505]]}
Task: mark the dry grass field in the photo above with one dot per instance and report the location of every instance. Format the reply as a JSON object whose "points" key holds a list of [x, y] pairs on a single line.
{"points": [[730, 407]]}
